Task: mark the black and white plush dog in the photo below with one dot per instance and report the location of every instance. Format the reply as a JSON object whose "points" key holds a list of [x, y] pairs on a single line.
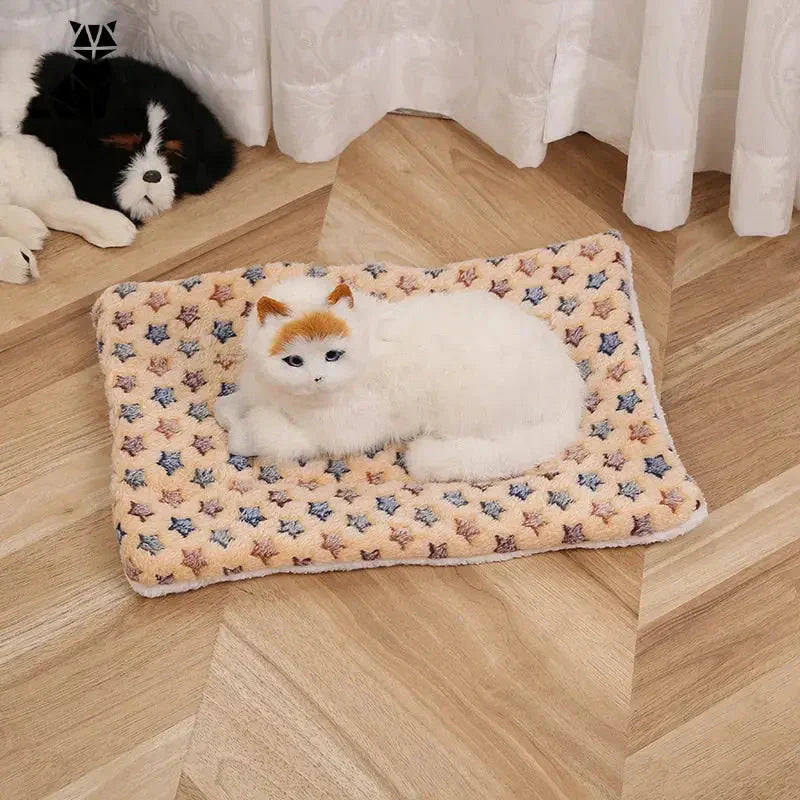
{"points": [[89, 146]]}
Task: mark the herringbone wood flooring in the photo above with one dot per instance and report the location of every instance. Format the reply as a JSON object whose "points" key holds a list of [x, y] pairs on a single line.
{"points": [[666, 672]]}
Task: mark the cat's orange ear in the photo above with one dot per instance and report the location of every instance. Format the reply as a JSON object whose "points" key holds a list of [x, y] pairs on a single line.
{"points": [[342, 291], [268, 307]]}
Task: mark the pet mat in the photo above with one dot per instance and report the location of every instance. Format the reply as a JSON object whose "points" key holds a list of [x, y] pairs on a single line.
{"points": [[189, 513]]}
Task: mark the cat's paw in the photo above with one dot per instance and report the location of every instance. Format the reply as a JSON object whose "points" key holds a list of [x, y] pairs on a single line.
{"points": [[227, 410], [17, 263], [109, 228], [240, 440]]}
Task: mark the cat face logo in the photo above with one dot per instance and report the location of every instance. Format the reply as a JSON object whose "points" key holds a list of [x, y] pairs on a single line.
{"points": [[93, 42]]}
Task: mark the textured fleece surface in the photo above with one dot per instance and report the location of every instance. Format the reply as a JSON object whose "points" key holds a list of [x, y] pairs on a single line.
{"points": [[187, 512]]}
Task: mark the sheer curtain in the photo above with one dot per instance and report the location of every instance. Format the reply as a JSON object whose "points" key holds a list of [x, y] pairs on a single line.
{"points": [[680, 85]]}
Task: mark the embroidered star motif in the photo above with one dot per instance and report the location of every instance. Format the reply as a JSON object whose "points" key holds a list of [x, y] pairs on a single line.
{"points": [[301, 562], [198, 410], [500, 288], [189, 347], [642, 526], [590, 250], [609, 342], [426, 516], [374, 478], [592, 402], [150, 544], [190, 283], [253, 274], [492, 509], [291, 527], [240, 486], [574, 336], [603, 510], [371, 555], [437, 550], [507, 544], [641, 432], [158, 365], [467, 529], [279, 497], [401, 536], [156, 299], [232, 570], [132, 445], [567, 305], [194, 380], [387, 503], [615, 460], [434, 273], [210, 507], [455, 498], [527, 265], [204, 477], [140, 510], [556, 248], [407, 284], [131, 570], [269, 473], [400, 461], [203, 444], [321, 510], [371, 452], [628, 401], [227, 388], [375, 269], [533, 520], [248, 307], [589, 480], [534, 295], [656, 465], [358, 521], [172, 497], [130, 411], [602, 308], [223, 331], [122, 319], [222, 293], [222, 537], [226, 362], [241, 462], [251, 515], [414, 488], [332, 542], [629, 489], [263, 549], [596, 279], [573, 534], [562, 273], [576, 453], [672, 499], [195, 560], [559, 498], [183, 525], [584, 368], [135, 478], [601, 429], [170, 462], [188, 314], [125, 382], [123, 351], [625, 288], [167, 427], [348, 495], [124, 289], [618, 371], [522, 491], [157, 333], [467, 276], [163, 395]]}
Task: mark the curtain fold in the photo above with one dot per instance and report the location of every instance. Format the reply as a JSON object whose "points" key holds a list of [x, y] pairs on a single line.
{"points": [[681, 86]]}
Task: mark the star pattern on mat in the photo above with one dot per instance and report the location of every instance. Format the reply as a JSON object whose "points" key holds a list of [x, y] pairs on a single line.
{"points": [[231, 510], [140, 510]]}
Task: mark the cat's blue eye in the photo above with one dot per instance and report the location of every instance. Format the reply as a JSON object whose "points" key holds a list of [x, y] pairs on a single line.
{"points": [[334, 355], [294, 361]]}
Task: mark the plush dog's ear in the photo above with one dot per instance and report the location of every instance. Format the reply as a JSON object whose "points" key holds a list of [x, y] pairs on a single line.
{"points": [[123, 141], [341, 292], [268, 307]]}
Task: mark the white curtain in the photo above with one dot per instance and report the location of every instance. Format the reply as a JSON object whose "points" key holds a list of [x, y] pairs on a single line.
{"points": [[680, 85]]}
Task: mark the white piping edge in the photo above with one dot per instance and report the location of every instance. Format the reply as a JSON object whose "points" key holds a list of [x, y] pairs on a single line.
{"points": [[697, 517]]}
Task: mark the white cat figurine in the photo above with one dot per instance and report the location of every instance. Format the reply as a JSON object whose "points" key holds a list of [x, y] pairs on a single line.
{"points": [[481, 388]]}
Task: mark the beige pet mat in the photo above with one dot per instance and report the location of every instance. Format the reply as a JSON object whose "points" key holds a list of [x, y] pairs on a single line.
{"points": [[188, 513]]}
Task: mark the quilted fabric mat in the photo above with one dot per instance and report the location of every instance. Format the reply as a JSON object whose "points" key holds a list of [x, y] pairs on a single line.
{"points": [[188, 513]]}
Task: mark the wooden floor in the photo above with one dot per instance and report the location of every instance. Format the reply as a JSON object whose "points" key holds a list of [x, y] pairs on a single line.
{"points": [[677, 674]]}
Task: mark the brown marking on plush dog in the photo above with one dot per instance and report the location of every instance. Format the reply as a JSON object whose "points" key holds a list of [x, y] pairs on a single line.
{"points": [[267, 306], [342, 290], [124, 141], [314, 325]]}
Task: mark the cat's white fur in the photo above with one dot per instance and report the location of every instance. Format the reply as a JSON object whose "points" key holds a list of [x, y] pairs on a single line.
{"points": [[34, 193], [482, 388]]}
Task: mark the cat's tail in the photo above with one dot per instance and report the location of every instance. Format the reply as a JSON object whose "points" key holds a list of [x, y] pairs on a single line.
{"points": [[470, 458]]}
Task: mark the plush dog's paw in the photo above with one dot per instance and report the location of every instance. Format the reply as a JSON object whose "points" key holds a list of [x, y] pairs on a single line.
{"points": [[110, 229], [17, 263], [24, 226]]}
